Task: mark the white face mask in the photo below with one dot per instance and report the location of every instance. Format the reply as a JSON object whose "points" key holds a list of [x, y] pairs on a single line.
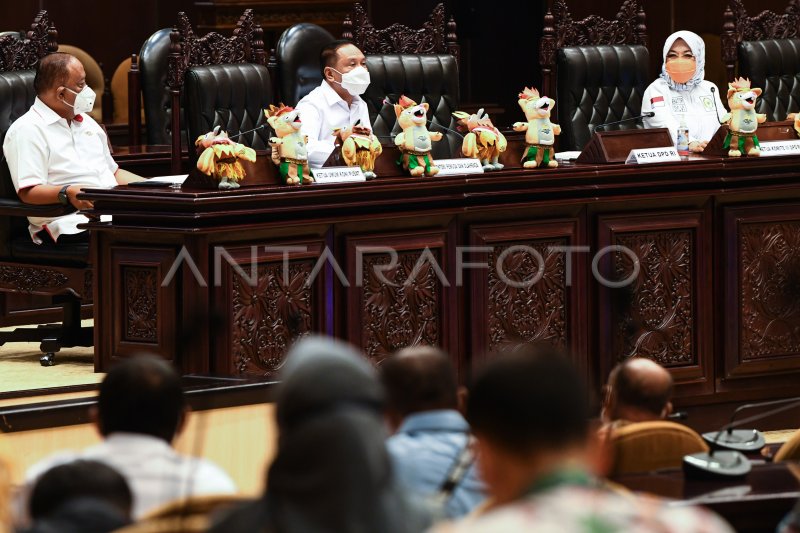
{"points": [[84, 100], [356, 81]]}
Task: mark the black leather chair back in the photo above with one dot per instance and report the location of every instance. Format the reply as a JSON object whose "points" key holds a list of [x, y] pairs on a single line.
{"points": [[16, 97], [598, 84], [423, 78], [230, 96], [153, 61], [297, 53], [774, 66]]}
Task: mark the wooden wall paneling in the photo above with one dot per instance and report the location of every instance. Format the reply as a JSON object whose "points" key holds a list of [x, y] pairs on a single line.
{"points": [[258, 322], [553, 309], [405, 304], [665, 314], [142, 308], [761, 296]]}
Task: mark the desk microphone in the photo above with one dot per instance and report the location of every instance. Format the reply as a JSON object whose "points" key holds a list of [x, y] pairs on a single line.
{"points": [[629, 119], [720, 462], [714, 99]]}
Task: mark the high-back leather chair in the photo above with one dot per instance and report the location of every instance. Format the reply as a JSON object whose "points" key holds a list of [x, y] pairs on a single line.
{"points": [[647, 446], [596, 70], [62, 273], [419, 63], [231, 96], [190, 56], [156, 99], [297, 54], [767, 47]]}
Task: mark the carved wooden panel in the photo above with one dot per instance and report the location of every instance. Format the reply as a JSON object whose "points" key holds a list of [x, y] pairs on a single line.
{"points": [[142, 302], [263, 314], [628, 27], [400, 301], [437, 35], [762, 291], [522, 292], [661, 310], [655, 317], [23, 54], [32, 279]]}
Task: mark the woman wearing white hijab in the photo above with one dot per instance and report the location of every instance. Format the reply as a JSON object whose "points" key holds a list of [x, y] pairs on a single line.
{"points": [[681, 93]]}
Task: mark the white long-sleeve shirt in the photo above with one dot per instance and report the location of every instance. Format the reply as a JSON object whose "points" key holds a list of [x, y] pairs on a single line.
{"points": [[321, 111], [695, 105]]}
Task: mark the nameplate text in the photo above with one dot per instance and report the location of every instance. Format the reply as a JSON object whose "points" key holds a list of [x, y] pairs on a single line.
{"points": [[338, 175], [450, 167], [641, 156], [771, 148]]}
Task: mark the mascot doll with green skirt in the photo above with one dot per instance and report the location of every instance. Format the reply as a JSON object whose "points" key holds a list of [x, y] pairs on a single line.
{"points": [[415, 139], [289, 151], [539, 131], [743, 120]]}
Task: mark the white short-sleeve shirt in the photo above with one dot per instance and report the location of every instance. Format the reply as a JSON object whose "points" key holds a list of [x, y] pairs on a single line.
{"points": [[321, 111], [43, 149]]}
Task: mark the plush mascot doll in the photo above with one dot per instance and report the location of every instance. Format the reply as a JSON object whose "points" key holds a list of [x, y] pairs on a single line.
{"points": [[481, 139], [742, 120], [796, 118], [289, 149], [220, 158], [539, 131], [360, 148], [415, 140]]}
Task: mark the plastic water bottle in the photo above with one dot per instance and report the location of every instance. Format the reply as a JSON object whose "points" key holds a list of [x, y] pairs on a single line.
{"points": [[683, 137]]}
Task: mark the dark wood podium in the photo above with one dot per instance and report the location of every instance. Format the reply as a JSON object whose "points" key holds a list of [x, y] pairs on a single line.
{"points": [[614, 146]]}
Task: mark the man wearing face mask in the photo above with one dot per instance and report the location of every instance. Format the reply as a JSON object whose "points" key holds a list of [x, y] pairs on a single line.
{"points": [[682, 95], [336, 102], [56, 149]]}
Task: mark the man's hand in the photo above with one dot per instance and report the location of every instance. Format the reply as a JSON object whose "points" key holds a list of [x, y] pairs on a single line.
{"points": [[72, 194], [697, 146]]}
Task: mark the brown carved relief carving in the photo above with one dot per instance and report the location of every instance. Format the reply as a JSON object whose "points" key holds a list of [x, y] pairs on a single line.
{"points": [[653, 316], [534, 313], [435, 37], [767, 24], [23, 54], [627, 28], [769, 302], [87, 285], [140, 286], [404, 312], [27, 279], [269, 316]]}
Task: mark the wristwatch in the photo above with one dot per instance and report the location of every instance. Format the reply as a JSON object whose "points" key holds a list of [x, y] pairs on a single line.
{"points": [[63, 199]]}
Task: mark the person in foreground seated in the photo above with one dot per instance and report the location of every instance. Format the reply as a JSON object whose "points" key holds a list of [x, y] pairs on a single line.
{"points": [[80, 497], [56, 149], [431, 437], [332, 472], [638, 390], [681, 95], [140, 410], [336, 102], [529, 412]]}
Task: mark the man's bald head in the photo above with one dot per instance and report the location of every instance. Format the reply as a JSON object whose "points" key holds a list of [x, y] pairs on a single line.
{"points": [[53, 71], [419, 378], [641, 389]]}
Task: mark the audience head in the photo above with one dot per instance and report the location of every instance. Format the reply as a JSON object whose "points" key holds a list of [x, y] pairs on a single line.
{"points": [[684, 59], [332, 471], [344, 67], [638, 390], [96, 485], [419, 378], [59, 79], [529, 411], [141, 395]]}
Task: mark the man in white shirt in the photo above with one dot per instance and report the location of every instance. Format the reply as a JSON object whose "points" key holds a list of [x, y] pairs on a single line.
{"points": [[56, 149], [140, 410], [336, 102]]}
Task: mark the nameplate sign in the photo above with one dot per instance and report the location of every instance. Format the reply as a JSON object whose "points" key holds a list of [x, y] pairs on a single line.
{"points": [[338, 175], [643, 156], [770, 148], [450, 167]]}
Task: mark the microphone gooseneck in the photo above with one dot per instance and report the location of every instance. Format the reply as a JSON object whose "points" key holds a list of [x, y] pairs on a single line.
{"points": [[601, 127], [714, 99]]}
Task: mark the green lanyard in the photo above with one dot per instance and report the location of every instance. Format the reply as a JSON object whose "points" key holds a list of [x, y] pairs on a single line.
{"points": [[565, 476]]}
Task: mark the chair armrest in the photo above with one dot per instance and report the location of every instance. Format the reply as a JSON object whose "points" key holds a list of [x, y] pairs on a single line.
{"points": [[17, 208]]}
